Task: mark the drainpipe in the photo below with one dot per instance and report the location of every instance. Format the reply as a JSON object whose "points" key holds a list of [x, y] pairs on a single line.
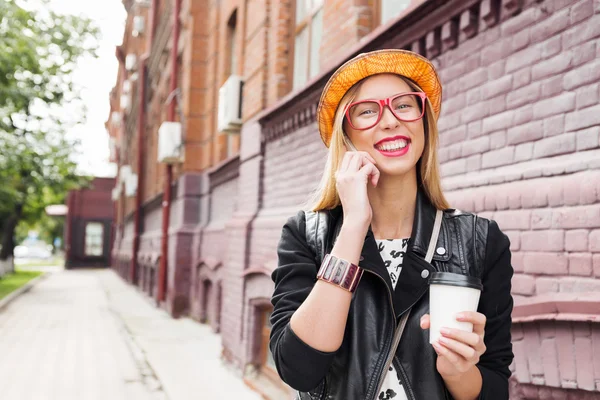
{"points": [[162, 272], [141, 125]]}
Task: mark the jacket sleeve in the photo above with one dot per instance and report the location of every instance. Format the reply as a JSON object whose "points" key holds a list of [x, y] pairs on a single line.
{"points": [[299, 365], [497, 304]]}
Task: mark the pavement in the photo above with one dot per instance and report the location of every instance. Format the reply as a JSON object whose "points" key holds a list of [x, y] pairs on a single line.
{"points": [[86, 334]]}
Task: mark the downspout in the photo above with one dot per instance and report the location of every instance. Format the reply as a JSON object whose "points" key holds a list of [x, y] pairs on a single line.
{"points": [[140, 168], [141, 125], [162, 275]]}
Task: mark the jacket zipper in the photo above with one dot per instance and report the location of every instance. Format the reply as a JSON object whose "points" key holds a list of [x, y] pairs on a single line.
{"points": [[397, 335], [404, 379], [392, 353]]}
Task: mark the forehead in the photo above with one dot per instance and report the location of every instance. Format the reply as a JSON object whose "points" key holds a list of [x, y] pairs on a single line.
{"points": [[382, 86]]}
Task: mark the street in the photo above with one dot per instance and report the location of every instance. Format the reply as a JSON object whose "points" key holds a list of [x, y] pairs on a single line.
{"points": [[88, 335]]}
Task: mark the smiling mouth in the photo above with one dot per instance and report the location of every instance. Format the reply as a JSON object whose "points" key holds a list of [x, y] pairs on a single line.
{"points": [[395, 145]]}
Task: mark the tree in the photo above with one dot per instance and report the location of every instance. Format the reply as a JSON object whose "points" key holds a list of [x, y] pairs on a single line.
{"points": [[38, 52]]}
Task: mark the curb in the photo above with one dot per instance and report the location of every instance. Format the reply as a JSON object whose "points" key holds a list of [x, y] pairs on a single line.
{"points": [[23, 289]]}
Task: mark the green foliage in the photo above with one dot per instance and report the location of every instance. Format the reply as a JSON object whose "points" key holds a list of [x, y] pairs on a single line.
{"points": [[38, 53], [12, 282]]}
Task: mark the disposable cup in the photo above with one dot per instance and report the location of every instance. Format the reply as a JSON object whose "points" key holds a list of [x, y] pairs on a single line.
{"points": [[450, 294]]}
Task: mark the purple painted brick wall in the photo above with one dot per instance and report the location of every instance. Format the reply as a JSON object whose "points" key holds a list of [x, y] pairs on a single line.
{"points": [[519, 143]]}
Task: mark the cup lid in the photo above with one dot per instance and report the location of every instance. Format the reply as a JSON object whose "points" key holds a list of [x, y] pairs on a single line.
{"points": [[452, 279]]}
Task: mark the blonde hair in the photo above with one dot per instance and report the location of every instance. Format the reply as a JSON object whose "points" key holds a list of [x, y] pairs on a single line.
{"points": [[326, 197]]}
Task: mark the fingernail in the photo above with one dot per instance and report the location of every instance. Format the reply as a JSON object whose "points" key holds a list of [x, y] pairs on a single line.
{"points": [[461, 316], [445, 331]]}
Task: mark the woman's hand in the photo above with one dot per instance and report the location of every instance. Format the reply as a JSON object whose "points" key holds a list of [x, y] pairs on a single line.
{"points": [[356, 170], [459, 351]]}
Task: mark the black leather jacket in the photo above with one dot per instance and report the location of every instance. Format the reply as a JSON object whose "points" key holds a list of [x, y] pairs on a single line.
{"points": [[467, 244]]}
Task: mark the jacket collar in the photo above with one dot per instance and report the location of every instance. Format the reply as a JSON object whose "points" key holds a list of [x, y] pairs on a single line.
{"points": [[423, 227], [419, 241]]}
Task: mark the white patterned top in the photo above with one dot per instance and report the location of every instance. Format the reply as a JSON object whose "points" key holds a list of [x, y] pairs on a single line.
{"points": [[392, 252]]}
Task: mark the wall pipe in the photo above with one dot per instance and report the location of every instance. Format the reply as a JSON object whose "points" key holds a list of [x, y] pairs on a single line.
{"points": [[166, 210], [141, 129]]}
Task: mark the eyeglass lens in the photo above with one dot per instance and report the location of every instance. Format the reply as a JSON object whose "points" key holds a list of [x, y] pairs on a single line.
{"points": [[365, 114]]}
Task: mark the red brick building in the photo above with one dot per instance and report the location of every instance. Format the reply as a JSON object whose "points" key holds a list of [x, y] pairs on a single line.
{"points": [[88, 225], [519, 143]]}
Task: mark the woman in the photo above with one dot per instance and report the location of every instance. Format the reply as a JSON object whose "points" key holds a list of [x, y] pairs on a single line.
{"points": [[351, 302]]}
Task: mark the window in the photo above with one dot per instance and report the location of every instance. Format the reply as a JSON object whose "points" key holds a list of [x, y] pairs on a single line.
{"points": [[391, 8], [94, 239], [231, 43], [267, 361], [309, 30]]}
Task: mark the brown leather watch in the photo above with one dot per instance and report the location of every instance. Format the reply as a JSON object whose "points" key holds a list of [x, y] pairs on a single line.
{"points": [[340, 272]]}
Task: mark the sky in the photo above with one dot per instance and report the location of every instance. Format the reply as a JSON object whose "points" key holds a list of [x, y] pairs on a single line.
{"points": [[96, 77]]}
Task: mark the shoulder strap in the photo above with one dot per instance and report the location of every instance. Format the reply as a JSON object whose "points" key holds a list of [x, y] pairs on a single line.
{"points": [[434, 235]]}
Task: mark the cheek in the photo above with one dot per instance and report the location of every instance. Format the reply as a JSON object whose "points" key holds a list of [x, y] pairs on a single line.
{"points": [[419, 140]]}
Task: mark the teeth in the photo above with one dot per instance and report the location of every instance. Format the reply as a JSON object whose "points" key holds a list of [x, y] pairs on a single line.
{"points": [[393, 146]]}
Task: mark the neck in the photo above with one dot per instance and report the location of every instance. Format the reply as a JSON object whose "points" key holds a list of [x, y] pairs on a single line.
{"points": [[393, 202]]}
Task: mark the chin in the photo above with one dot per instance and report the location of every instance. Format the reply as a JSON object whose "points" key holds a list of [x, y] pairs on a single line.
{"points": [[397, 170]]}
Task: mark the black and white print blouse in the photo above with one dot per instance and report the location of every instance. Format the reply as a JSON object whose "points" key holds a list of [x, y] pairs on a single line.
{"points": [[392, 252]]}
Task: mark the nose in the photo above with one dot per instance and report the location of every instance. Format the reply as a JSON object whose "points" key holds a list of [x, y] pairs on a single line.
{"points": [[388, 119]]}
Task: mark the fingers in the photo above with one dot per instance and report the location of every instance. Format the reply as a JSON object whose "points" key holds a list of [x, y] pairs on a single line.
{"points": [[371, 171], [459, 364], [477, 319], [425, 322], [466, 351], [354, 160], [469, 338]]}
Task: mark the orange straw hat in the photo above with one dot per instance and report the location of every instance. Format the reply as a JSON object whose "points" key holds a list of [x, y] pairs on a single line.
{"points": [[401, 62]]}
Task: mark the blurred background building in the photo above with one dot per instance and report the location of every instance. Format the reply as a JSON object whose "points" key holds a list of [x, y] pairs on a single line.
{"points": [[88, 225], [212, 125]]}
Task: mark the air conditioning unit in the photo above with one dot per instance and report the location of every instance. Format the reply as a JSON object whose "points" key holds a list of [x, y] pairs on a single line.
{"points": [[124, 173], [115, 118], [130, 62], [125, 102], [131, 184], [230, 105], [126, 86], [116, 193], [170, 143], [138, 26]]}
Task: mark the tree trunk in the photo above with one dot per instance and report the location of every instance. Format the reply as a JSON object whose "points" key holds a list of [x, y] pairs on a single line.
{"points": [[8, 234]]}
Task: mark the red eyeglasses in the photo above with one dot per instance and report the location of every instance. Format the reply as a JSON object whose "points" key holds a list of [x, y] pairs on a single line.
{"points": [[365, 114]]}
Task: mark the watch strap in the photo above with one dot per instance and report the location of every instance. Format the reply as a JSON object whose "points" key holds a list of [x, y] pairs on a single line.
{"points": [[340, 272]]}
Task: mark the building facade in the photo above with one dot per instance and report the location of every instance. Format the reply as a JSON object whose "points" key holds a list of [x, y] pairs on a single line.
{"points": [[519, 143], [88, 225]]}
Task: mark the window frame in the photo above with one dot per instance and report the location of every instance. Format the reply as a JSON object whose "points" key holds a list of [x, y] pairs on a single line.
{"points": [[85, 237], [265, 333], [297, 28]]}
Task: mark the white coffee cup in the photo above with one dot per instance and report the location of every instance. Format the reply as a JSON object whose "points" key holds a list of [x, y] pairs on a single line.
{"points": [[449, 295]]}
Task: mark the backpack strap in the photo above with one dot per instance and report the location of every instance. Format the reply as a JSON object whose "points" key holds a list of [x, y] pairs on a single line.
{"points": [[317, 226]]}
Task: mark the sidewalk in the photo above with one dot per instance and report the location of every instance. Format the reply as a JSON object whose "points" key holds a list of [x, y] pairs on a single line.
{"points": [[184, 354], [87, 335]]}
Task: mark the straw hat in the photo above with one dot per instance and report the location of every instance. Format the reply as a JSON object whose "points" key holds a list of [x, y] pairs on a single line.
{"points": [[401, 62]]}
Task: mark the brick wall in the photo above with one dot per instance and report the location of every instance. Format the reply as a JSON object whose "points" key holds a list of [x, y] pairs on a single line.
{"points": [[345, 23], [519, 143]]}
